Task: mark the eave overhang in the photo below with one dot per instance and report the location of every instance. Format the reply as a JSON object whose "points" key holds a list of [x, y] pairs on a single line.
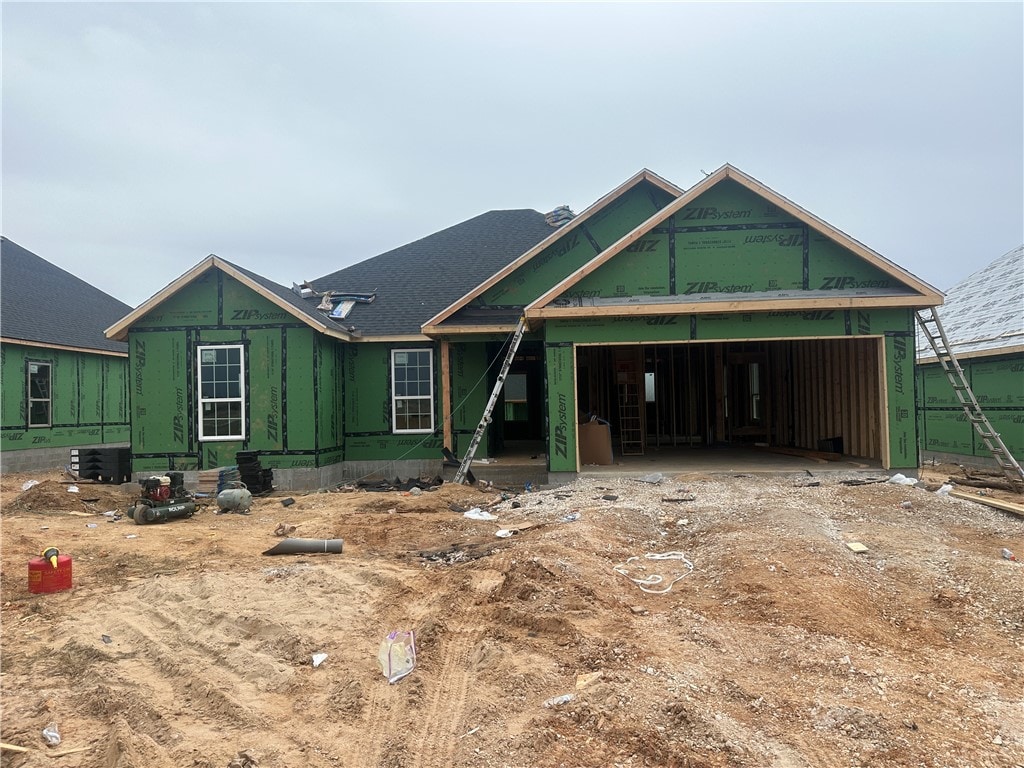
{"points": [[62, 347]]}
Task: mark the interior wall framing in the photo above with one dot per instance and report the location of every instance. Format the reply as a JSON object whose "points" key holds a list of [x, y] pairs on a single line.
{"points": [[818, 394]]}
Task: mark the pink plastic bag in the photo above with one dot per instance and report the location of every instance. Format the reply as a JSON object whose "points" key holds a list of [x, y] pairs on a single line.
{"points": [[397, 655]]}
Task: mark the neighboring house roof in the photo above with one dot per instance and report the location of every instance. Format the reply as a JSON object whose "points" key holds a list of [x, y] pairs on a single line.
{"points": [[303, 308], [40, 303], [919, 292], [984, 313], [415, 282]]}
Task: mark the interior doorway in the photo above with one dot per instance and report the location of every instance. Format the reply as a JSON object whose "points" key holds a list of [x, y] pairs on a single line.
{"points": [[517, 422]]}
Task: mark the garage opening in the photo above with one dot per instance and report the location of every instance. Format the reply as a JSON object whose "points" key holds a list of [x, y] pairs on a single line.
{"points": [[815, 395]]}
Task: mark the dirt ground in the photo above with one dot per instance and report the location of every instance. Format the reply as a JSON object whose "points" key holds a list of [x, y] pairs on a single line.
{"points": [[181, 644]]}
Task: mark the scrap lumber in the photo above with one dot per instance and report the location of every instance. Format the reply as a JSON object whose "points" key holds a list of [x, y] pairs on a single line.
{"points": [[998, 483], [16, 748], [988, 501]]}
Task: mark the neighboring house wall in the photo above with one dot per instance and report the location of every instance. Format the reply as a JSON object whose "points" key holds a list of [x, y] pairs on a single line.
{"points": [[983, 321], [86, 405], [62, 382], [946, 434]]}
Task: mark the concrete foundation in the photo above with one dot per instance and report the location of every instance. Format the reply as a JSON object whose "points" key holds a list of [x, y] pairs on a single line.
{"points": [[316, 478]]}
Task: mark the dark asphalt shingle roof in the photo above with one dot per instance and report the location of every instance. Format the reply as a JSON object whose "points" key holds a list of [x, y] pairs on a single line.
{"points": [[40, 302], [305, 306], [414, 282]]}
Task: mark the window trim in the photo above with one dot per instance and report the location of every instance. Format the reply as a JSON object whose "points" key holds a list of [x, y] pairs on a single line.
{"points": [[429, 397], [28, 394], [200, 400]]}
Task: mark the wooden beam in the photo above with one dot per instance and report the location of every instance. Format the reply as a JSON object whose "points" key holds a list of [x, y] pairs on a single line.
{"points": [[883, 403], [988, 501], [726, 306], [453, 330], [446, 395], [719, 395]]}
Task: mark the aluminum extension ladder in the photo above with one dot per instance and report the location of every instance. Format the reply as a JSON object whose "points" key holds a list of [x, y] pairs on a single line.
{"points": [[517, 337], [928, 319]]}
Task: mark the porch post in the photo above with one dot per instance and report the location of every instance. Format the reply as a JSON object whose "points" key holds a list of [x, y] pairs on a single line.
{"points": [[446, 395]]}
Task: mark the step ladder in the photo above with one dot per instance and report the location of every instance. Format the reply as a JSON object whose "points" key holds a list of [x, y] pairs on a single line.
{"points": [[467, 460], [928, 319], [631, 427]]}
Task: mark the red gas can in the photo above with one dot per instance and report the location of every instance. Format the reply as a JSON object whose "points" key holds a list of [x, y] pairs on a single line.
{"points": [[43, 577]]}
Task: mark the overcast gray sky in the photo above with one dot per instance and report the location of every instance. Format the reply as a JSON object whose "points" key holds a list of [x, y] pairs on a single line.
{"points": [[296, 139]]}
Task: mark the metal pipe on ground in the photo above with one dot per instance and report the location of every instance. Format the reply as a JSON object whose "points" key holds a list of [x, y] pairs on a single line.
{"points": [[306, 546]]}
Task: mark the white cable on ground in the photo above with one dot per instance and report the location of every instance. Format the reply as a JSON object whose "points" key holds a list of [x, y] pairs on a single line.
{"points": [[655, 578]]}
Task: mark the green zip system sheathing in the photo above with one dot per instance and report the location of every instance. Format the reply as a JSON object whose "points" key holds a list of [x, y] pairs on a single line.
{"points": [[88, 398], [293, 381], [368, 423], [729, 241], [998, 385], [578, 246]]}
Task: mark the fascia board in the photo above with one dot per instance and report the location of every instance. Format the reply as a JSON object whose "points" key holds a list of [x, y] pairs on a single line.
{"points": [[461, 330], [1014, 350], [587, 213], [390, 339], [720, 307], [63, 347]]}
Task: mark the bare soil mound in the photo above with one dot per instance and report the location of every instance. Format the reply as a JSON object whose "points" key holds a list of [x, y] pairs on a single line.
{"points": [[704, 620]]}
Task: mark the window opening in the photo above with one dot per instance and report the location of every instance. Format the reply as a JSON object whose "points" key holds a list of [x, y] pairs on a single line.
{"points": [[516, 406], [38, 394], [649, 387], [221, 393], [412, 382]]}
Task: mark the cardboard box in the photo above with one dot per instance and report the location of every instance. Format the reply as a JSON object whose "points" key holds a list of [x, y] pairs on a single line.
{"points": [[595, 441]]}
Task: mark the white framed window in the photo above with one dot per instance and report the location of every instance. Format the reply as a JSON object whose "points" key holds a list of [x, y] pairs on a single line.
{"points": [[221, 377], [412, 390], [38, 389]]}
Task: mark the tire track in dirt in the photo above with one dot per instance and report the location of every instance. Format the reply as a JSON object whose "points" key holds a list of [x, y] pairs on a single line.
{"points": [[202, 687], [444, 714], [380, 741], [223, 670], [377, 714]]}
